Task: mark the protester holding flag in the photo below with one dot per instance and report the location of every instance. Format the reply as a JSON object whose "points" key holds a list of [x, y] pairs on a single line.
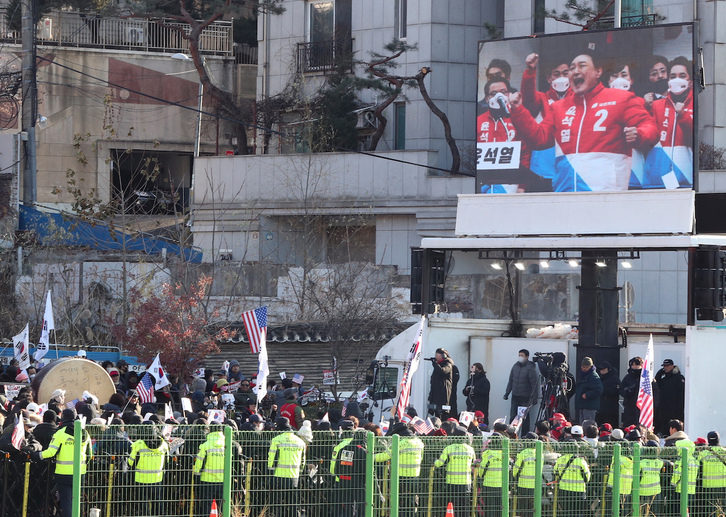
{"points": [[48, 324], [412, 362], [629, 389], [442, 384]]}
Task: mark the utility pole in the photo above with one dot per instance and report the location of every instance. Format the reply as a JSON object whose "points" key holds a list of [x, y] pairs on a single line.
{"points": [[30, 100]]}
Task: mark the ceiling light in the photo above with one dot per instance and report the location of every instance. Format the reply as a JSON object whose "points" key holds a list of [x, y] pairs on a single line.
{"points": [[496, 265], [544, 264], [601, 263], [573, 263], [626, 264], [519, 265]]}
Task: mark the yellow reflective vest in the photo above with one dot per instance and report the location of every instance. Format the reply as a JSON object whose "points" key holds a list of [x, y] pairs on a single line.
{"points": [[650, 469], [149, 463], [410, 456], [713, 464], [573, 475], [626, 475], [458, 458], [692, 467], [490, 468], [209, 464], [524, 468], [286, 455], [62, 445]]}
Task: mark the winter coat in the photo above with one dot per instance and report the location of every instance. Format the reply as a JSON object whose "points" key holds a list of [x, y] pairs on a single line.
{"points": [[591, 387], [44, 433], [478, 398], [442, 383], [610, 395], [672, 388], [523, 382], [629, 388]]}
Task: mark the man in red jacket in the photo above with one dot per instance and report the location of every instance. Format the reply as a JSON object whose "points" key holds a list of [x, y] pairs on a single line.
{"points": [[670, 163], [594, 131]]}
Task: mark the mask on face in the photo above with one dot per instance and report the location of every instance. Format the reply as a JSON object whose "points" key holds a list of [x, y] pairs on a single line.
{"points": [[677, 86], [521, 359], [561, 84], [620, 83], [499, 105], [659, 86]]}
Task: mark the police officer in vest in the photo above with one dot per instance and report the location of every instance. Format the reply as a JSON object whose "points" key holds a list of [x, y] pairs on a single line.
{"points": [[410, 456], [712, 460], [677, 478], [148, 458], [524, 478], [458, 458], [572, 474], [209, 466], [286, 459], [651, 467], [61, 447], [490, 474]]}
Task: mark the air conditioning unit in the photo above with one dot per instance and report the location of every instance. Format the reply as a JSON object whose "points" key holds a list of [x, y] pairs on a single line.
{"points": [[366, 120], [134, 35], [45, 29]]}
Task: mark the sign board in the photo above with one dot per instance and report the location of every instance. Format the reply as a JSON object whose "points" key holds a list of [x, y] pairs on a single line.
{"points": [[329, 378], [592, 111], [298, 379]]}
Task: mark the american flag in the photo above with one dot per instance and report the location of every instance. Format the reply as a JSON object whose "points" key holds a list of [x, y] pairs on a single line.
{"points": [[645, 394], [422, 426], [414, 358], [345, 408], [145, 389], [18, 433], [256, 327]]}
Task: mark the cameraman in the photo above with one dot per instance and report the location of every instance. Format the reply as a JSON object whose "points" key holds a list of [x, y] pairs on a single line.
{"points": [[442, 382], [477, 391], [524, 386]]}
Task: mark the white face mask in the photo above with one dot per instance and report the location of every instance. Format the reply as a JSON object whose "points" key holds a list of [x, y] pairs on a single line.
{"points": [[677, 86], [521, 359], [496, 101], [620, 83], [561, 84]]}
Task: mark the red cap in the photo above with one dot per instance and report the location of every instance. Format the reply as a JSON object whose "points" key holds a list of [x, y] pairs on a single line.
{"points": [[606, 427], [453, 420], [478, 415], [440, 432], [701, 441], [559, 417]]}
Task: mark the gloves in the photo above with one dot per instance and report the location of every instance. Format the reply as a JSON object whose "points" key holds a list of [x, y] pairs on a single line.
{"points": [[35, 457], [506, 397]]}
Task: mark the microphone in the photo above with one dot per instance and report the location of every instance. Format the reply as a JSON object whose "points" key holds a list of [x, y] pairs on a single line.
{"points": [[502, 101], [429, 358]]}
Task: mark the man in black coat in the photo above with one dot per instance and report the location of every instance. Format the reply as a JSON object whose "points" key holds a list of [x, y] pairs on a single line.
{"points": [[524, 386], [442, 383], [477, 391], [629, 388], [672, 388], [609, 410]]}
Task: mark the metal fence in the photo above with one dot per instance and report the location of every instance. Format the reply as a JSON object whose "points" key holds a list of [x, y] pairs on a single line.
{"points": [[72, 29], [356, 474]]}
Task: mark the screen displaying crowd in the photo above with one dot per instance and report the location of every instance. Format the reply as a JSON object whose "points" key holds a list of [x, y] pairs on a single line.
{"points": [[590, 111]]}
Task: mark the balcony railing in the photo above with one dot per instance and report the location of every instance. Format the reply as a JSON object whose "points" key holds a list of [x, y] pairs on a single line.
{"points": [[323, 56], [639, 20], [70, 29]]}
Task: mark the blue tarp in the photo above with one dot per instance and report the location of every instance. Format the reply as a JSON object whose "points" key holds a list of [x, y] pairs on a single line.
{"points": [[67, 230]]}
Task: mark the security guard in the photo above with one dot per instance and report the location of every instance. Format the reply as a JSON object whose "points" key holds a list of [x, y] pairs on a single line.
{"points": [[650, 478], [678, 470], [625, 479], [572, 474], [351, 474], [523, 472], [209, 466], [62, 446], [490, 473], [148, 457], [410, 456], [458, 458], [712, 460], [286, 459]]}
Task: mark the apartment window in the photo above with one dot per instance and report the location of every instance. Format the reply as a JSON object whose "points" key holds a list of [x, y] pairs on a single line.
{"points": [[351, 243], [321, 17], [539, 16], [399, 143], [401, 19]]}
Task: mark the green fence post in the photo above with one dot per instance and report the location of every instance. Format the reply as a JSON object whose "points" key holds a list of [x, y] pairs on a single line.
{"points": [[505, 477], [538, 467], [635, 495], [370, 466], [615, 473], [227, 481], [394, 476], [685, 464], [77, 444]]}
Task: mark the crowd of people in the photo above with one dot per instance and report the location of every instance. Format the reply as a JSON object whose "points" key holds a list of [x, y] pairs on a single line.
{"points": [[305, 444]]}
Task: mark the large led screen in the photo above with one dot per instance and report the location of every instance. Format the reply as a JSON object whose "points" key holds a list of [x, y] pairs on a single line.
{"points": [[587, 111]]}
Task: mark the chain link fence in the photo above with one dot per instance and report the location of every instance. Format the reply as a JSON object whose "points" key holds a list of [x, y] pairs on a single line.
{"points": [[344, 473]]}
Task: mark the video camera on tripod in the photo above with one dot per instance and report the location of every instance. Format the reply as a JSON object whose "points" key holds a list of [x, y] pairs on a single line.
{"points": [[557, 384]]}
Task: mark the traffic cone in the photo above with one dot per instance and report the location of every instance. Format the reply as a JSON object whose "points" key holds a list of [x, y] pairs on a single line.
{"points": [[213, 512], [450, 510]]}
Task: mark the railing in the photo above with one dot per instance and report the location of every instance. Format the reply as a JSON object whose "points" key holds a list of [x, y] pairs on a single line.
{"points": [[538, 479], [69, 29], [639, 20], [322, 56]]}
